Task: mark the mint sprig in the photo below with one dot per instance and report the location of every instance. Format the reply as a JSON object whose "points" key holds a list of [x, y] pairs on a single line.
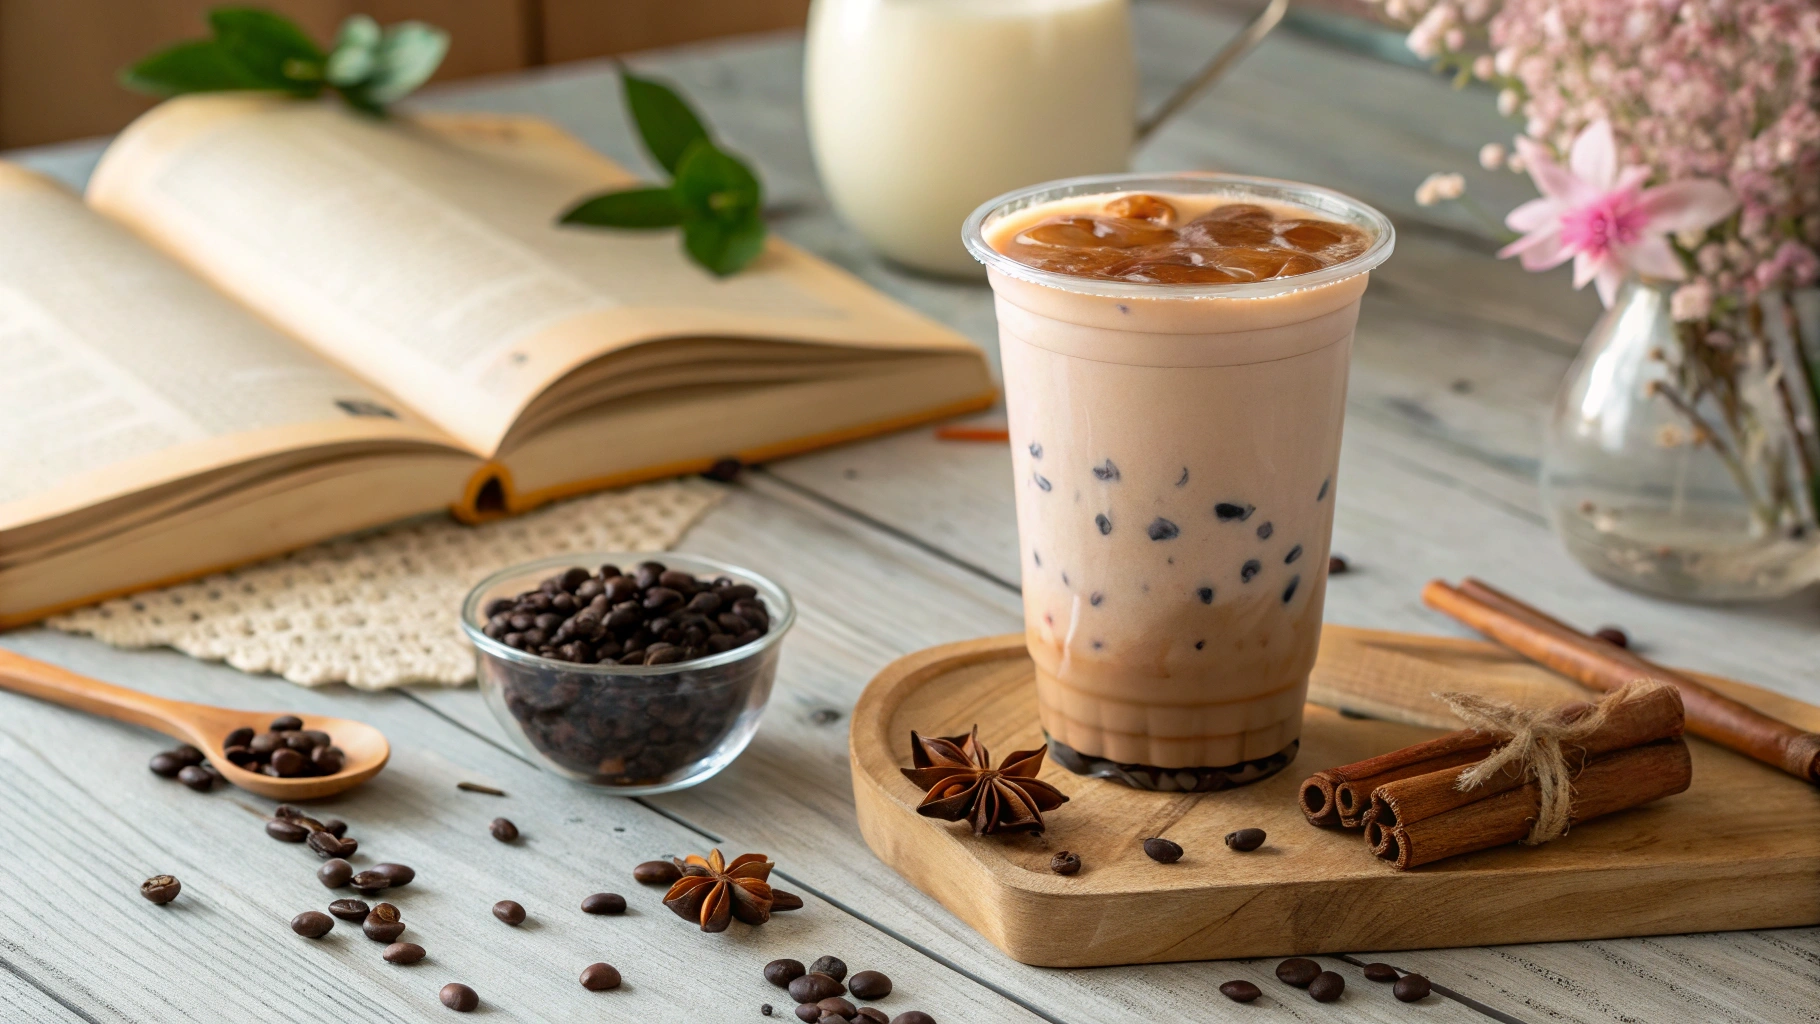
{"points": [[713, 195], [255, 49]]}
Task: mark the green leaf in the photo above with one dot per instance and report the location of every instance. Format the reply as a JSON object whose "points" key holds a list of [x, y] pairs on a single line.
{"points": [[665, 121], [270, 47], [716, 185], [409, 54], [356, 52], [199, 66], [724, 248], [627, 208]]}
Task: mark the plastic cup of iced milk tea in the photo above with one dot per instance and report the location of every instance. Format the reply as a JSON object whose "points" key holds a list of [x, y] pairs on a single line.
{"points": [[1175, 353]]}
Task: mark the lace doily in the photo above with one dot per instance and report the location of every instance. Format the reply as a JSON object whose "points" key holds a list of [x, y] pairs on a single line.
{"points": [[380, 610]]}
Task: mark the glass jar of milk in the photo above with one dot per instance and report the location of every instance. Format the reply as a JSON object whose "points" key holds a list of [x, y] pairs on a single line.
{"points": [[920, 110]]}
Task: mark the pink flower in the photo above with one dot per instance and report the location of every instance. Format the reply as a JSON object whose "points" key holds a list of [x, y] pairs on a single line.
{"points": [[1599, 215]]}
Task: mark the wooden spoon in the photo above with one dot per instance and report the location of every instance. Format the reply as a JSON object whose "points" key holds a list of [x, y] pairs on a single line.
{"points": [[203, 726]]}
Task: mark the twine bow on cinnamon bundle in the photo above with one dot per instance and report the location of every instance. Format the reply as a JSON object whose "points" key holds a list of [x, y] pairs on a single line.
{"points": [[1515, 775]]}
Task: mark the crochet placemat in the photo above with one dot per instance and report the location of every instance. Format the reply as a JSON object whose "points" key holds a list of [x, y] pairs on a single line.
{"points": [[380, 609]]}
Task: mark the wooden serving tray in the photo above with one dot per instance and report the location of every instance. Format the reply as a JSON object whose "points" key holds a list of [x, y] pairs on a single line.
{"points": [[1739, 849]]}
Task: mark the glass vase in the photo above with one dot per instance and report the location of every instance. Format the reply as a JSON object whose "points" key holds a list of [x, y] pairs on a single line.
{"points": [[1680, 461]]}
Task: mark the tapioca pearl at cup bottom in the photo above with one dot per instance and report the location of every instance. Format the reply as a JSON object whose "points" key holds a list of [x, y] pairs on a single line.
{"points": [[1103, 523], [1289, 591], [1205, 594], [1228, 511], [1163, 529], [1251, 568], [1294, 553]]}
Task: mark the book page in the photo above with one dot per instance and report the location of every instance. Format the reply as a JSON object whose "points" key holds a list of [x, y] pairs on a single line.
{"points": [[424, 254], [122, 370]]}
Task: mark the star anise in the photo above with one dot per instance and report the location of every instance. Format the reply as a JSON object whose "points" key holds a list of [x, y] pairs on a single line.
{"points": [[712, 892], [957, 774]]}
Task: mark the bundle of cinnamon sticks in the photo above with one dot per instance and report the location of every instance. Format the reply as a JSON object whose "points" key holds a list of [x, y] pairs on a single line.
{"points": [[1413, 810]]}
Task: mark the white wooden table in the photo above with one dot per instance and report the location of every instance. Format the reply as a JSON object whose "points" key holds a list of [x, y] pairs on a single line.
{"points": [[889, 546]]}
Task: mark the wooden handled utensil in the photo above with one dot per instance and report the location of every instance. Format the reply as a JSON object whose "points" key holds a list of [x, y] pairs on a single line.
{"points": [[203, 726]]}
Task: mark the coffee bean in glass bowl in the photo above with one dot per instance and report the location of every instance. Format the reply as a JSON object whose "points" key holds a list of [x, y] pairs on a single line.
{"points": [[638, 675]]}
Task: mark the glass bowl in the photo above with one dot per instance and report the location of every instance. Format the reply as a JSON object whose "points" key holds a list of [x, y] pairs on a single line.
{"points": [[636, 729]]}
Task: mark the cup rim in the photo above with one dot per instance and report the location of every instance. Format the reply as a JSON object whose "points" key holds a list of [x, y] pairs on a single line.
{"points": [[773, 593], [1320, 200]]}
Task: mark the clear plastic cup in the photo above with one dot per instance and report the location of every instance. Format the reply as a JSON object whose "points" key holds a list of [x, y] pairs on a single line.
{"points": [[1175, 449]]}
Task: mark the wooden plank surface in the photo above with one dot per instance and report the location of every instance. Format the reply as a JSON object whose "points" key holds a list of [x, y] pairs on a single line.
{"points": [[906, 542]]}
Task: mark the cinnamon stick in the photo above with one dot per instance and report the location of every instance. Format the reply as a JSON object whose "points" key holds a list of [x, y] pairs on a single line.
{"points": [[1653, 714], [1339, 796], [1609, 783], [1602, 666]]}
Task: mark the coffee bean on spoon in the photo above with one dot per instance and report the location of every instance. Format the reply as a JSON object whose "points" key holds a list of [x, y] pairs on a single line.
{"points": [[833, 967], [160, 888], [1246, 839], [1298, 971], [334, 873], [239, 737], [286, 723], [1163, 851], [459, 997], [656, 872], [402, 953], [350, 910], [603, 903], [599, 977], [509, 911], [1240, 991], [869, 985], [782, 972], [312, 924]]}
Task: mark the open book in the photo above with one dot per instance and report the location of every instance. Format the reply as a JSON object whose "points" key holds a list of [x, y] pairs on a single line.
{"points": [[274, 322]]}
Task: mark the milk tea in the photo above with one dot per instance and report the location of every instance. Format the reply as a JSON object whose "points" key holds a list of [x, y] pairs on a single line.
{"points": [[1175, 364]]}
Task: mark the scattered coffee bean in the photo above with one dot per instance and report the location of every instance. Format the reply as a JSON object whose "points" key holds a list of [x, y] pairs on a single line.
{"points": [[764, 1009], [383, 924], [350, 910], [872, 1015], [657, 872], [869, 985], [1163, 851], [475, 787], [338, 828], [312, 924], [197, 778], [1065, 863], [509, 911], [167, 764], [160, 888], [397, 874], [334, 873], [327, 846], [782, 972], [1245, 840], [402, 953], [832, 966], [1410, 987], [808, 1012], [814, 987], [370, 882], [604, 903], [913, 1017], [1614, 636], [1326, 987], [286, 831], [1336, 565], [599, 977], [458, 997], [1298, 971], [1240, 991], [503, 830], [839, 1007], [1381, 972], [828, 1017], [782, 901]]}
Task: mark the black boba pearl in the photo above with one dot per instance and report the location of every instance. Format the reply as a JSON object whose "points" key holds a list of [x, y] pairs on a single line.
{"points": [[1323, 493], [1163, 529], [1294, 553], [1107, 472], [1289, 591], [1205, 594], [1103, 523], [1042, 482], [1228, 512], [1265, 530], [1250, 569]]}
